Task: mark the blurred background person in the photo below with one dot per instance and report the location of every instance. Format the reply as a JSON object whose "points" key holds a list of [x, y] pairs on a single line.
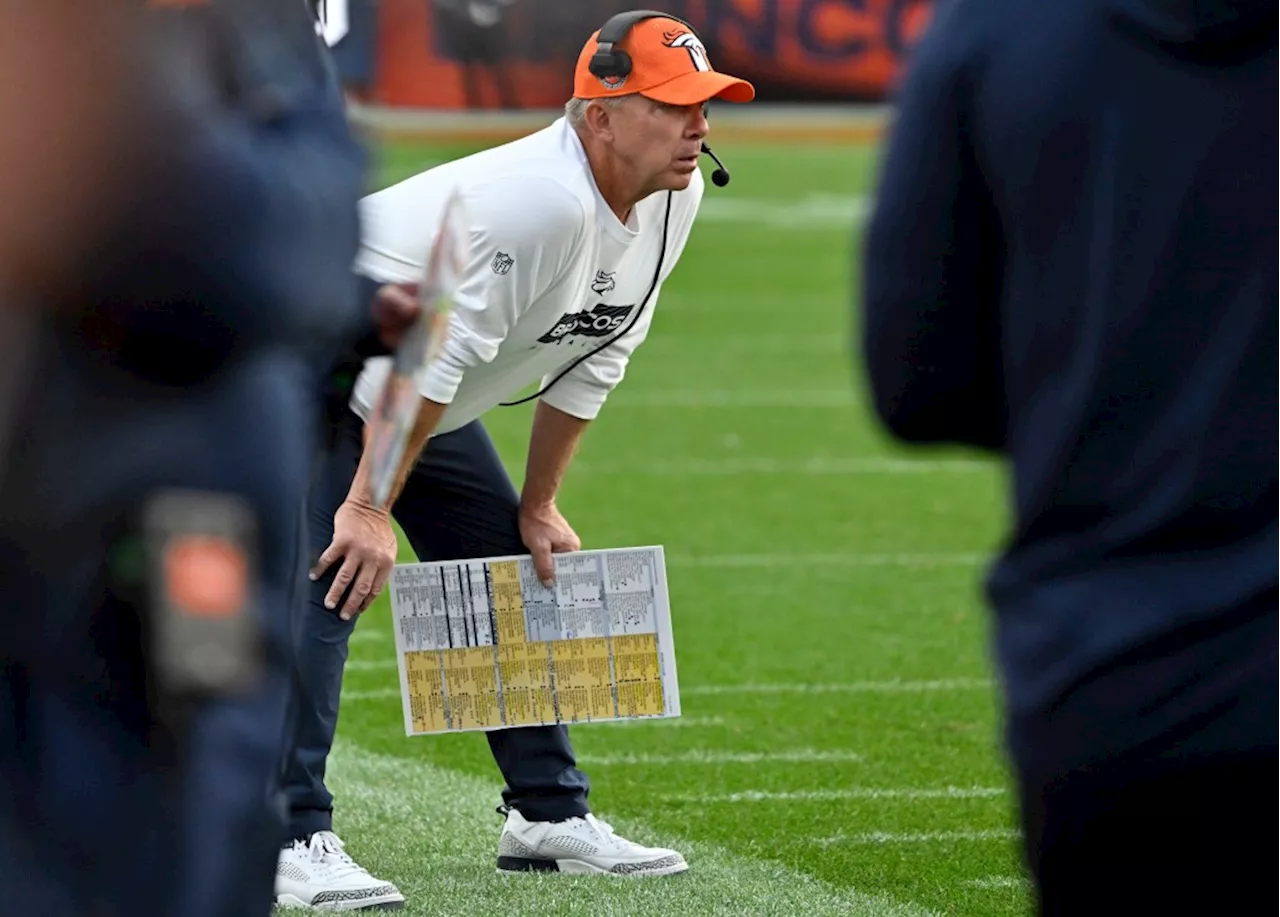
{"points": [[183, 252], [349, 28], [1073, 262], [475, 32]]}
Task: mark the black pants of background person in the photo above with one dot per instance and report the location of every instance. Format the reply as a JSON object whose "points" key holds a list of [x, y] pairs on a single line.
{"points": [[1151, 788], [457, 503]]}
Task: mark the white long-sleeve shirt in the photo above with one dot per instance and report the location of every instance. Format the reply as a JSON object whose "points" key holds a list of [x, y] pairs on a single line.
{"points": [[553, 274]]}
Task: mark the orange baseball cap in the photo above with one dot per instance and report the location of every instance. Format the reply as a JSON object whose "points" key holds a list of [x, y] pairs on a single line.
{"points": [[668, 64]]}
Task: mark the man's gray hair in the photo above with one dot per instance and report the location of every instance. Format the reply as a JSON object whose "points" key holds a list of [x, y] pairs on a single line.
{"points": [[575, 110]]}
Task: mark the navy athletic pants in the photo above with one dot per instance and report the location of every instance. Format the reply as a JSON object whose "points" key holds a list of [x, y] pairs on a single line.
{"points": [[458, 503]]}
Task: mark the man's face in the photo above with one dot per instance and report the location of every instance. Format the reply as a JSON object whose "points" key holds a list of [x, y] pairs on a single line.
{"points": [[659, 144]]}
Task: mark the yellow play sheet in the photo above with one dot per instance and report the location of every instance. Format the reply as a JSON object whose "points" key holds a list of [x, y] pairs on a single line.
{"points": [[483, 645]]}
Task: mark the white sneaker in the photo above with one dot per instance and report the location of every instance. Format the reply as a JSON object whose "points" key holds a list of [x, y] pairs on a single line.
{"points": [[317, 874], [579, 845]]}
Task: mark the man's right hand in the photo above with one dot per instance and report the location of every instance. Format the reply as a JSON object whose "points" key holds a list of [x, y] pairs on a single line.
{"points": [[363, 537]]}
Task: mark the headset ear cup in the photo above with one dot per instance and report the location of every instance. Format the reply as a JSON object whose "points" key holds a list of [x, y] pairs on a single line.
{"points": [[601, 64], [615, 63]]}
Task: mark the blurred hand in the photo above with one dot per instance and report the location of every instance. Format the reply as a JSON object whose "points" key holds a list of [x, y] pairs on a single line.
{"points": [[395, 309], [545, 532], [362, 536]]}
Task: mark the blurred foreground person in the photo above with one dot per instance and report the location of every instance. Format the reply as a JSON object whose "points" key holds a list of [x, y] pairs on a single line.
{"points": [[1073, 263], [178, 314]]}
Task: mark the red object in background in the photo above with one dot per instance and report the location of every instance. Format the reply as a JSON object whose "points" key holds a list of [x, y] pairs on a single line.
{"points": [[852, 49], [790, 49]]}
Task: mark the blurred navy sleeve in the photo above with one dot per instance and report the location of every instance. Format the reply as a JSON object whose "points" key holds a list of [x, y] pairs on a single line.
{"points": [[932, 253], [245, 232]]}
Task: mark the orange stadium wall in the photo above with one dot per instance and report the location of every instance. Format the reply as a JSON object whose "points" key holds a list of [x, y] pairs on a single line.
{"points": [[793, 50]]}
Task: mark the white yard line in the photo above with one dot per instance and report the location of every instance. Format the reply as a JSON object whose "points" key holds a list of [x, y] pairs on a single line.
{"points": [[999, 882], [433, 832], [379, 694], [857, 792], [733, 398], [366, 633], [702, 756], [740, 343], [851, 559], [917, 837], [812, 467], [686, 722], [813, 211], [742, 302], [892, 686]]}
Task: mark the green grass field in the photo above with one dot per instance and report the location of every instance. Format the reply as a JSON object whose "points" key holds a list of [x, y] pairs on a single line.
{"points": [[839, 751]]}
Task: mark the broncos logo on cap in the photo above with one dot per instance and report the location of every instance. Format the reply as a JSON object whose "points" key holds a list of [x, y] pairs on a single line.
{"points": [[692, 44]]}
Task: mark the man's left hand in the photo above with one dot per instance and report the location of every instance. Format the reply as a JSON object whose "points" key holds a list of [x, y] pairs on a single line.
{"points": [[545, 532]]}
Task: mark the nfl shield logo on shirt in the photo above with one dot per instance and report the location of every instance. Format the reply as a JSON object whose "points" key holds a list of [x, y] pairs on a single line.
{"points": [[502, 263]]}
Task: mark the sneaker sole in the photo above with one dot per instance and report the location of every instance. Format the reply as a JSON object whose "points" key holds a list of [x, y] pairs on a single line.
{"points": [[384, 903], [509, 864]]}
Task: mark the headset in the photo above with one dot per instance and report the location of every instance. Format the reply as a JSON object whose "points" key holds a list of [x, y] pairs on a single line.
{"points": [[611, 61]]}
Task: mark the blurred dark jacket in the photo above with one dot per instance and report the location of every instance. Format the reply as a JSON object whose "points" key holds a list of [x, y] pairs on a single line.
{"points": [[1072, 262]]}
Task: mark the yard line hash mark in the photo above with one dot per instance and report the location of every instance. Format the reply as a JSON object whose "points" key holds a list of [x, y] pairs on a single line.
{"points": [[882, 838]]}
